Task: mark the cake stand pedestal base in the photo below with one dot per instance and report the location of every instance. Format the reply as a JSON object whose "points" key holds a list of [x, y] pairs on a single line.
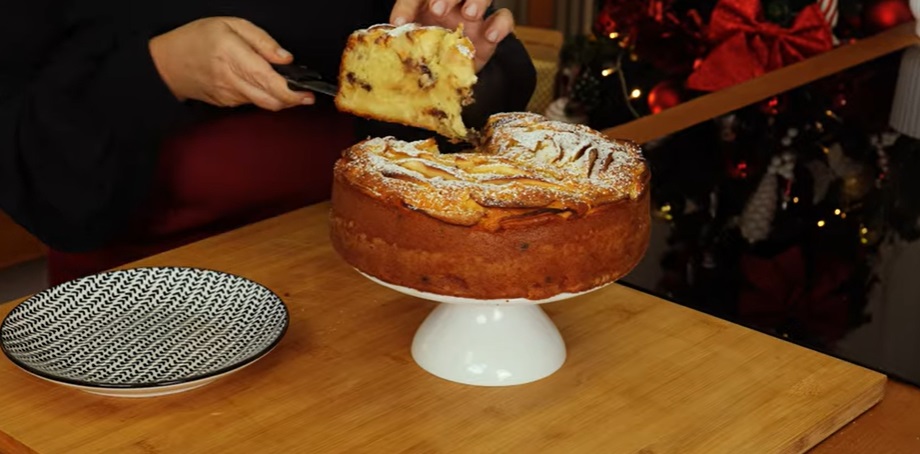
{"points": [[500, 342], [488, 344]]}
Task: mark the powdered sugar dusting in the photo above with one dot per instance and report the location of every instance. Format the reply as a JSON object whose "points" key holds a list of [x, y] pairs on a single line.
{"points": [[585, 155], [399, 30], [464, 46], [527, 162], [403, 29], [392, 30], [466, 51]]}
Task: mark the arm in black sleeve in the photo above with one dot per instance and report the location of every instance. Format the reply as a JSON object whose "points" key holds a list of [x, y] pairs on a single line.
{"points": [[82, 109], [506, 84]]}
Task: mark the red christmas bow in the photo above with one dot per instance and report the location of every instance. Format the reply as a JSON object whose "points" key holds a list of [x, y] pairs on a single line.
{"points": [[747, 46], [779, 290]]}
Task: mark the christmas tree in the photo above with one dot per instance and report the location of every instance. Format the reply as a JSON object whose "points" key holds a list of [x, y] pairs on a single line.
{"points": [[646, 56], [777, 211]]}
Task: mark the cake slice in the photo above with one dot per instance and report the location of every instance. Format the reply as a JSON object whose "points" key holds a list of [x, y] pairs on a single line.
{"points": [[414, 75]]}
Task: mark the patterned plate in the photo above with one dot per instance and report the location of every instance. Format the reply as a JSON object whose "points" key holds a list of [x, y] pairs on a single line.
{"points": [[144, 332]]}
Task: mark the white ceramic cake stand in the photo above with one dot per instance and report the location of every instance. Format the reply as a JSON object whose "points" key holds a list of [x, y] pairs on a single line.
{"points": [[487, 342]]}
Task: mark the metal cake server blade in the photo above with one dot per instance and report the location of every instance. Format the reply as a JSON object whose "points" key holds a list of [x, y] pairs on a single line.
{"points": [[301, 78]]}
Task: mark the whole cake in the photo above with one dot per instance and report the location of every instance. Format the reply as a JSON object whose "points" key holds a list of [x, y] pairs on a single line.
{"points": [[415, 75], [541, 208]]}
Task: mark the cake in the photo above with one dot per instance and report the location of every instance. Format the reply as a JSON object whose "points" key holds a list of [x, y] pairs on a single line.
{"points": [[541, 208], [420, 76]]}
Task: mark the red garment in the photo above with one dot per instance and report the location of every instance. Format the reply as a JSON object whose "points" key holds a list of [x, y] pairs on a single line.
{"points": [[222, 175]]}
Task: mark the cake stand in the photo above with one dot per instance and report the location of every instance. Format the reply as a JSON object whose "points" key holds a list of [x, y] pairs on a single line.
{"points": [[501, 342]]}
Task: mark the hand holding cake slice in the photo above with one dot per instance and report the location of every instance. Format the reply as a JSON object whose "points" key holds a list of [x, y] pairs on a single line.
{"points": [[420, 76]]}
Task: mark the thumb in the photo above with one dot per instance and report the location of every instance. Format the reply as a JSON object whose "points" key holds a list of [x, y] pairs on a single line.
{"points": [[260, 41]]}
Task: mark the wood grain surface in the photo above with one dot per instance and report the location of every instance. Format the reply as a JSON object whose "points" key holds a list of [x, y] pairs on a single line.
{"points": [[643, 376], [9, 445], [891, 427]]}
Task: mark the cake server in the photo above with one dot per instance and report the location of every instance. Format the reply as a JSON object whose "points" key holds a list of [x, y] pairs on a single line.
{"points": [[301, 78]]}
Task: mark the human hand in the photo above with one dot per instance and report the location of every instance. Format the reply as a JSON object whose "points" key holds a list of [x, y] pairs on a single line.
{"points": [[225, 61], [485, 34]]}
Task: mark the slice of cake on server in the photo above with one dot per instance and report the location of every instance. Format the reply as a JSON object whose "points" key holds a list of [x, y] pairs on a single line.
{"points": [[420, 76]]}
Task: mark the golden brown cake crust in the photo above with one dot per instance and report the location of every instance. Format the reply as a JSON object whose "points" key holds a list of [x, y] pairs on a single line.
{"points": [[528, 166], [411, 249], [538, 221]]}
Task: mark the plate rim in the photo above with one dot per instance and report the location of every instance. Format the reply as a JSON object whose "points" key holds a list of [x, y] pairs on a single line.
{"points": [[124, 386]]}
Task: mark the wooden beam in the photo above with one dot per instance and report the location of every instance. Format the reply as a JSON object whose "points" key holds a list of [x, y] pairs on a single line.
{"points": [[718, 103]]}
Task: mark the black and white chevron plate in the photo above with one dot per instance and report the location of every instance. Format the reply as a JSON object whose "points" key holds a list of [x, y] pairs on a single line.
{"points": [[144, 331]]}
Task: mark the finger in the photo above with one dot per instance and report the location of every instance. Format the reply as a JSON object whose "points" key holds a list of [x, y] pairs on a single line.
{"points": [[256, 95], [275, 85], [474, 9], [440, 8], [260, 40], [498, 26], [226, 97], [405, 11], [251, 68]]}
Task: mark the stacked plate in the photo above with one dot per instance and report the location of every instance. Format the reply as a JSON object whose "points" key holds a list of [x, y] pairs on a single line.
{"points": [[144, 332]]}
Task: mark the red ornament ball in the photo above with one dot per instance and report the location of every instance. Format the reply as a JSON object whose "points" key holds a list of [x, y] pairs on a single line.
{"points": [[883, 14], [840, 101], [665, 95], [775, 105], [738, 170]]}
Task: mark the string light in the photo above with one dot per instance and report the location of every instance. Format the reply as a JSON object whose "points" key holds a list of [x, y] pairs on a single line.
{"points": [[635, 94], [795, 200], [821, 223], [664, 212], [608, 71], [837, 212], [614, 35]]}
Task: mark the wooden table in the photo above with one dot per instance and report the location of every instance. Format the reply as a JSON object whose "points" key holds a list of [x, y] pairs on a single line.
{"points": [[891, 427], [643, 375]]}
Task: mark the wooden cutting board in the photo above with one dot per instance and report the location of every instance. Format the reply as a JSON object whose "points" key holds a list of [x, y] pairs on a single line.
{"points": [[643, 376]]}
